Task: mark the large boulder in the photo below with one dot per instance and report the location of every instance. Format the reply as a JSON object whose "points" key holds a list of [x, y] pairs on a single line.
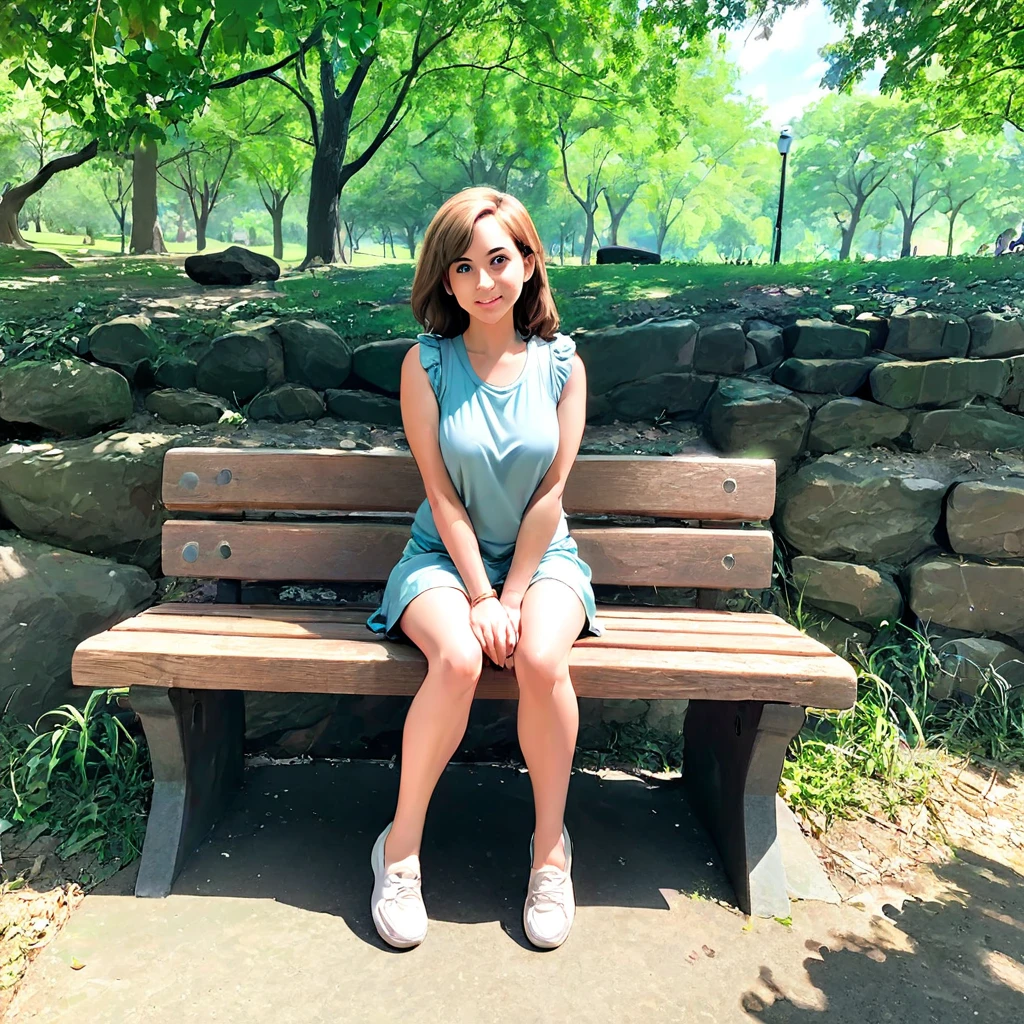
{"points": [[767, 345], [863, 507], [671, 394], [876, 326], [124, 343], [287, 403], [904, 384], [364, 406], [720, 348], [69, 397], [1013, 394], [986, 517], [857, 593], [616, 355], [239, 365], [922, 334], [854, 423], [380, 362], [234, 265], [977, 598], [825, 376], [979, 427], [100, 496], [314, 354], [811, 338], [969, 662], [182, 407], [175, 371], [751, 418], [995, 334], [50, 600]]}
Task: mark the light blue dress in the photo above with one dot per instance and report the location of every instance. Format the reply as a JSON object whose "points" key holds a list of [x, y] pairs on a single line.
{"points": [[497, 442]]}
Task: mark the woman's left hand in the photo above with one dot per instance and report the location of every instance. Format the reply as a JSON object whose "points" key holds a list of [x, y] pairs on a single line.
{"points": [[512, 603]]}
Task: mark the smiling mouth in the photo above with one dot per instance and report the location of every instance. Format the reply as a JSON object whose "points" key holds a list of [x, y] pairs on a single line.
{"points": [[490, 302]]}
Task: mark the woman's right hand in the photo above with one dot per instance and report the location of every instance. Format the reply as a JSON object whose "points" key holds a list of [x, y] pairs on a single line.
{"points": [[492, 627]]}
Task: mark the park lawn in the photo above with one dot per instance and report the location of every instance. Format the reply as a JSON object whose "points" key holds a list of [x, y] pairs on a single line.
{"points": [[370, 301]]}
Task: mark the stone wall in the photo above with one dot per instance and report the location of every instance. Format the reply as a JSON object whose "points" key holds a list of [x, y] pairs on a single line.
{"points": [[899, 442]]}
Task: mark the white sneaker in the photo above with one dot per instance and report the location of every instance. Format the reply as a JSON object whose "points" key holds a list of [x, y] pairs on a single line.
{"points": [[550, 900], [397, 902]]}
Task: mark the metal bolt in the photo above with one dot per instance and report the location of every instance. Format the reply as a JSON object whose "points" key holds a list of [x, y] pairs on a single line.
{"points": [[224, 549], [190, 552], [729, 561], [224, 477], [729, 486], [188, 481]]}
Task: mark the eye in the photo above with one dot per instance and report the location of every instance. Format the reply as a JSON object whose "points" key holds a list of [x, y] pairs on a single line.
{"points": [[504, 259]]}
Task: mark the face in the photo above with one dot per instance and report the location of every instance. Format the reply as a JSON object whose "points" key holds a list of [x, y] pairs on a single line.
{"points": [[488, 278]]}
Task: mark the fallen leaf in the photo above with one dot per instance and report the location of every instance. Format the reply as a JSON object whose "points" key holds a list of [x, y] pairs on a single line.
{"points": [[76, 964]]}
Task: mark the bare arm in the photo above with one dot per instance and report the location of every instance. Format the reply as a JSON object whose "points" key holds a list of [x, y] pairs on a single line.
{"points": [[421, 418], [545, 508]]}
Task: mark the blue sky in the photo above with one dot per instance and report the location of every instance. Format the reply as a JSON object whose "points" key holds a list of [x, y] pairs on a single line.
{"points": [[783, 72]]}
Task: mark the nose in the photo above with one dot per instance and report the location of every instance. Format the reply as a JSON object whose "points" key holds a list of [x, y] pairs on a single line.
{"points": [[486, 281]]}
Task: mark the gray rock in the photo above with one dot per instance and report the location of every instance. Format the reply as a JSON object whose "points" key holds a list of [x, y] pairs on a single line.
{"points": [[234, 265], [182, 407], [50, 600], [989, 429], [123, 343], [287, 403], [876, 326], [822, 339], [314, 354], [100, 496], [380, 362], [669, 393], [69, 397], [1013, 394], [995, 334], [240, 365], [838, 635], [617, 355], [967, 664], [857, 593], [720, 348], [756, 324], [364, 406], [751, 418], [843, 313], [904, 384], [854, 423], [767, 345], [857, 508], [922, 334], [178, 372], [825, 376], [986, 517], [967, 595]]}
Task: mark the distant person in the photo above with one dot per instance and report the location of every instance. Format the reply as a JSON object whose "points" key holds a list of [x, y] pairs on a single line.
{"points": [[1018, 243], [1003, 241]]}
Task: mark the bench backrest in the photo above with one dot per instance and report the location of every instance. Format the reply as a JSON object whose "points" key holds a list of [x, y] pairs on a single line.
{"points": [[321, 515]]}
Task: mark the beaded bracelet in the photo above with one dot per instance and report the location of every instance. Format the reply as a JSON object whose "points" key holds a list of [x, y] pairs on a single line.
{"points": [[483, 597]]}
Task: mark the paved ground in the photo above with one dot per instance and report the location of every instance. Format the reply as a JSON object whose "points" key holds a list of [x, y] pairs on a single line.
{"points": [[270, 922]]}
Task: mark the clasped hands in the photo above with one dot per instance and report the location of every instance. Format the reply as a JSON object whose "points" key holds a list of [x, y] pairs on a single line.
{"points": [[495, 623]]}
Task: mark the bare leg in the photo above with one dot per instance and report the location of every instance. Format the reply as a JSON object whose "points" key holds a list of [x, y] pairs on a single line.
{"points": [[552, 618], [438, 623]]}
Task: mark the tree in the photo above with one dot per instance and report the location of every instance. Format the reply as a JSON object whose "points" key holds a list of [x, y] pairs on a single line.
{"points": [[116, 184], [913, 179], [962, 176]]}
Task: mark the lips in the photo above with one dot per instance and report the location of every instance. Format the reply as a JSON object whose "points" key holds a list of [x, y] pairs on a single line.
{"points": [[492, 302]]}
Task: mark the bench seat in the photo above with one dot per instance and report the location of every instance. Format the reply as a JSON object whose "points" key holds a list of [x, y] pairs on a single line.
{"points": [[645, 652]]}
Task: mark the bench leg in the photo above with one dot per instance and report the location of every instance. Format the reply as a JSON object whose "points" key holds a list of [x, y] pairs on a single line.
{"points": [[195, 742], [732, 763]]}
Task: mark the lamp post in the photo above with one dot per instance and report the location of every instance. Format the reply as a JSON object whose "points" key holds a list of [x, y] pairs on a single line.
{"points": [[785, 141]]}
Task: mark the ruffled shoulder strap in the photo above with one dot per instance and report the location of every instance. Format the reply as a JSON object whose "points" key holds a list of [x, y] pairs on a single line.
{"points": [[562, 349], [430, 359]]}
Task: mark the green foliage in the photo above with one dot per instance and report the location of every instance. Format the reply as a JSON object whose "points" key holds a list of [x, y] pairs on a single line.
{"points": [[83, 778]]}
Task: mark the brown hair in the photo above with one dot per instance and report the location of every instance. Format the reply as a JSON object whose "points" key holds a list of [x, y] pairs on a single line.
{"points": [[448, 236]]}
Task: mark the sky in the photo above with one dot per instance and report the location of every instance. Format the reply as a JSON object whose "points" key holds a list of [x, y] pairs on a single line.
{"points": [[783, 71]]}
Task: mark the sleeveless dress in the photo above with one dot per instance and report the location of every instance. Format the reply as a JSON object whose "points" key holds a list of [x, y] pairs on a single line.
{"points": [[497, 442]]}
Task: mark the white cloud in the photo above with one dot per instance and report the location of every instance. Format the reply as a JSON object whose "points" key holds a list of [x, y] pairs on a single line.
{"points": [[816, 70], [787, 110]]}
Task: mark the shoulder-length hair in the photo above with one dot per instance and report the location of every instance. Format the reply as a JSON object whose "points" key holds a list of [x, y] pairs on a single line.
{"points": [[447, 238]]}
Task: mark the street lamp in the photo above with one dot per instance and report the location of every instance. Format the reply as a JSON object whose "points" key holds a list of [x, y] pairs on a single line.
{"points": [[785, 141]]}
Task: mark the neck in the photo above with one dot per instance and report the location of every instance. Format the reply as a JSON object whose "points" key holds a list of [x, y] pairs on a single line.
{"points": [[494, 339]]}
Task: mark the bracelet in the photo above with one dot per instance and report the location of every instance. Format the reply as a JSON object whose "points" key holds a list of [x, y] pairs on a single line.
{"points": [[483, 597]]}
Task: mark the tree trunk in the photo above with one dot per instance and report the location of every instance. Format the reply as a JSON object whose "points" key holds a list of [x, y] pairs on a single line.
{"points": [[15, 198], [38, 221], [410, 241], [851, 228], [588, 238], [201, 222], [277, 219], [908, 231], [322, 213], [145, 237]]}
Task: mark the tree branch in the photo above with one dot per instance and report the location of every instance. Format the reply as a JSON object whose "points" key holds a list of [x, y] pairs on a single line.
{"points": [[17, 195], [310, 109]]}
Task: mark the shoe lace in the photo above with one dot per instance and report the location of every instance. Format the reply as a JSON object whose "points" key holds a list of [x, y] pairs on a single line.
{"points": [[548, 888], [403, 887]]}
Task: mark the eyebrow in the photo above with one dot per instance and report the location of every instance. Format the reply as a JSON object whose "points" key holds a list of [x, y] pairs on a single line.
{"points": [[497, 248]]}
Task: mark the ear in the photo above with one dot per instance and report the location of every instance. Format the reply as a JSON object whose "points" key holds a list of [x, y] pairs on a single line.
{"points": [[529, 266], [444, 283]]}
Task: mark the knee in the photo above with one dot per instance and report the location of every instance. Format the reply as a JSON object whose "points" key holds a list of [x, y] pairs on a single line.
{"points": [[538, 667], [459, 666]]}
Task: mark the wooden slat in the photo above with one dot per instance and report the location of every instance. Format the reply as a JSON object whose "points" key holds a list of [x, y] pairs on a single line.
{"points": [[612, 617], [677, 639], [232, 479], [127, 658], [328, 552]]}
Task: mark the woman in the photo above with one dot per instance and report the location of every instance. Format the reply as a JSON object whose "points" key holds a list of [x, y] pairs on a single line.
{"points": [[493, 403]]}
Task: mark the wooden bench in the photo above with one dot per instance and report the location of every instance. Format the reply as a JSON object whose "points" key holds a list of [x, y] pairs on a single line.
{"points": [[748, 677]]}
